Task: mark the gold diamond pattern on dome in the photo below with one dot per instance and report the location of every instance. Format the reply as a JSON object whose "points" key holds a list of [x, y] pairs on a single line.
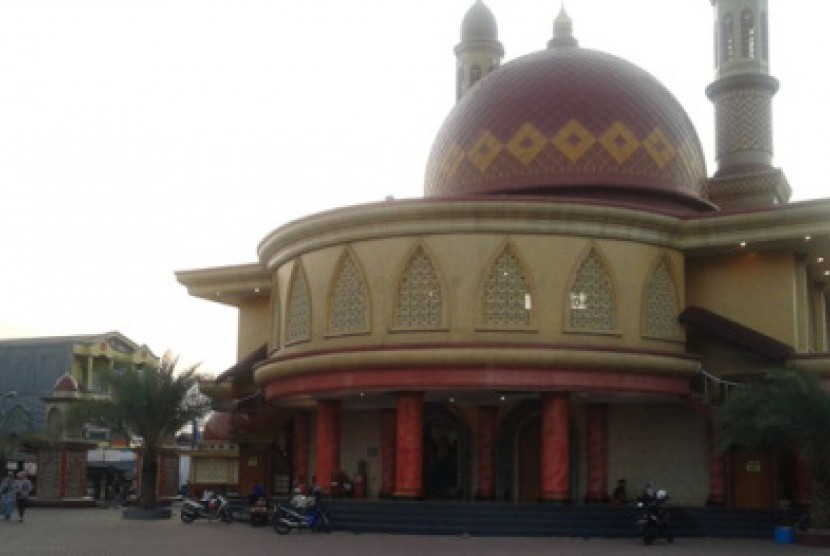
{"points": [[485, 151], [527, 143], [619, 142], [451, 160], [573, 140], [658, 147]]}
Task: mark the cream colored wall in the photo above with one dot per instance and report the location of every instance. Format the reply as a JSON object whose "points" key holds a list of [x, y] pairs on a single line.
{"points": [[758, 290], [360, 431], [664, 444], [254, 327], [462, 261]]}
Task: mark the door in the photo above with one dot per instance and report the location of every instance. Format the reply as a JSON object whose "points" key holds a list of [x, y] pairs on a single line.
{"points": [[753, 476], [529, 461]]}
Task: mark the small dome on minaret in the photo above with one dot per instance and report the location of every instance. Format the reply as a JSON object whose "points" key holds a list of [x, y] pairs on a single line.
{"points": [[479, 24], [563, 33]]}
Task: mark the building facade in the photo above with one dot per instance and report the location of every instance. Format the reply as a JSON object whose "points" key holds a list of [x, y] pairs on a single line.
{"points": [[561, 309]]}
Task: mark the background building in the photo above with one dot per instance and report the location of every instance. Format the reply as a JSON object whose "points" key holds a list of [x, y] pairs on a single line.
{"points": [[560, 310]]}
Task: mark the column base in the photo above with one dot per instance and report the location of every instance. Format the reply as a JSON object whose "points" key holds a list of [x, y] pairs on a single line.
{"points": [[485, 497], [597, 499], [407, 496]]}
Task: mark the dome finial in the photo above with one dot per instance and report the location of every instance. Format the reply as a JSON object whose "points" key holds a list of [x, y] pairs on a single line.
{"points": [[562, 30]]}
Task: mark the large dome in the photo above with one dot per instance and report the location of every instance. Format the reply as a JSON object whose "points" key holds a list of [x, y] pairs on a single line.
{"points": [[569, 121]]}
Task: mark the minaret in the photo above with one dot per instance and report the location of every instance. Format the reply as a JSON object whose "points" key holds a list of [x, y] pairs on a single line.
{"points": [[479, 51], [742, 94]]}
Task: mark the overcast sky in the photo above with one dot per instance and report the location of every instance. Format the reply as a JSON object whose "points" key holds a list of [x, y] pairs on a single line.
{"points": [[141, 137]]}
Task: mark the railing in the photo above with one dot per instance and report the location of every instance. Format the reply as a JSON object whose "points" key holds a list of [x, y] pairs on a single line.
{"points": [[711, 389]]}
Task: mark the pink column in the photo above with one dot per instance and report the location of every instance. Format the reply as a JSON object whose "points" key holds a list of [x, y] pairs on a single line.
{"points": [[328, 442], [388, 424], [555, 448], [717, 472], [409, 442], [597, 420], [300, 448], [486, 437]]}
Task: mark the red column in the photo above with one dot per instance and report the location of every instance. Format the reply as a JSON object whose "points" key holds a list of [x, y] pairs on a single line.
{"points": [[555, 448], [328, 442], [487, 419], [597, 421], [299, 449], [717, 472], [388, 425], [409, 442]]}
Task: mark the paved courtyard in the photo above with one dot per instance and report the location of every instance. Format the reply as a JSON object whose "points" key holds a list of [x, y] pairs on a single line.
{"points": [[87, 532]]}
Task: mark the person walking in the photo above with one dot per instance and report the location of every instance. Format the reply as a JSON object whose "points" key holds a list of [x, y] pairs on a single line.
{"points": [[7, 496], [22, 489]]}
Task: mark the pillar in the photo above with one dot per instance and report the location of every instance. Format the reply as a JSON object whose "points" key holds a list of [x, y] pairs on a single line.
{"points": [[409, 445], [597, 421], [388, 426], [486, 440], [328, 443], [555, 456], [299, 449], [717, 472]]}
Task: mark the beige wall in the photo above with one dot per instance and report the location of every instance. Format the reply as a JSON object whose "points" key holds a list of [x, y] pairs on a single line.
{"points": [[360, 430], [664, 444], [254, 325], [462, 261], [758, 290]]}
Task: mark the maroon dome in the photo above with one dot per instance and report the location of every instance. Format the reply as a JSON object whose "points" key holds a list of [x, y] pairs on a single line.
{"points": [[569, 121]]}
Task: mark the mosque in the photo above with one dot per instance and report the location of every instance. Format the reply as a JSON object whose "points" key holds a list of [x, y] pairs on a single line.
{"points": [[564, 307]]}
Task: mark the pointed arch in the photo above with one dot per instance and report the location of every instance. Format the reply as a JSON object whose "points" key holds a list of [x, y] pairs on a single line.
{"points": [[591, 302], [349, 310], [275, 313], [748, 34], [505, 291], [298, 309], [419, 294], [660, 301]]}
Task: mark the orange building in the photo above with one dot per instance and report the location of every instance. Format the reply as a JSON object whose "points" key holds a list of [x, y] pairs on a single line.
{"points": [[562, 307]]}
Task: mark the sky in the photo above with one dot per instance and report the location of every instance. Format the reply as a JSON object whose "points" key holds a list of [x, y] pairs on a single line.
{"points": [[142, 137]]}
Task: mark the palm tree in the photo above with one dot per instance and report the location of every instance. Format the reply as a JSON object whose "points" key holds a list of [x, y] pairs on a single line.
{"points": [[153, 404], [786, 409], [15, 424]]}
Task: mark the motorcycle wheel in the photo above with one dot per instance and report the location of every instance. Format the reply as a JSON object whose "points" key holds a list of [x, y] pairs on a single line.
{"points": [[225, 516], [323, 523], [281, 528], [187, 517]]}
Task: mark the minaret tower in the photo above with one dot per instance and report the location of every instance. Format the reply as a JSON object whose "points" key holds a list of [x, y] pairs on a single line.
{"points": [[742, 94], [479, 51]]}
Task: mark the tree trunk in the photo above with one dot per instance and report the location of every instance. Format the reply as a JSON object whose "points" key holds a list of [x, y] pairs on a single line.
{"points": [[149, 472]]}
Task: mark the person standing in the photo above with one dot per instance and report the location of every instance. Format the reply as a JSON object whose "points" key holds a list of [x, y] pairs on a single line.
{"points": [[7, 496], [22, 489]]}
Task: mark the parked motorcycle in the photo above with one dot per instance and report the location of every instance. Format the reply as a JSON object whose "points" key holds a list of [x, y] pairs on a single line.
{"points": [[218, 507], [654, 517], [303, 513]]}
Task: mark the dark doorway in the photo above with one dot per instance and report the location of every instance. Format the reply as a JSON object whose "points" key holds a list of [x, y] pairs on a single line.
{"points": [[529, 461], [446, 454]]}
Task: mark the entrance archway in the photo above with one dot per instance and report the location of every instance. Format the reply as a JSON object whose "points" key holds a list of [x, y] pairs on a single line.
{"points": [[447, 454]]}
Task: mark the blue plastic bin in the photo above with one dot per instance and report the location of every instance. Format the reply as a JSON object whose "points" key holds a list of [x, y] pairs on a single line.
{"points": [[784, 535]]}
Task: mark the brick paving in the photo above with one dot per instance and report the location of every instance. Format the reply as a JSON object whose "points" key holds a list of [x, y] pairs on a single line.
{"points": [[94, 531]]}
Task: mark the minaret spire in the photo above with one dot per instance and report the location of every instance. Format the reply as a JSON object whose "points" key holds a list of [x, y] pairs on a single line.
{"points": [[742, 94], [563, 35], [479, 51]]}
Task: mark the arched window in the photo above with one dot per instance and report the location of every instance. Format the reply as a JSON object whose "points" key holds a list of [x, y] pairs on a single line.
{"points": [[506, 299], [475, 74], [748, 37], [764, 37], [348, 298], [591, 305], [299, 307], [660, 304], [727, 40], [419, 303]]}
